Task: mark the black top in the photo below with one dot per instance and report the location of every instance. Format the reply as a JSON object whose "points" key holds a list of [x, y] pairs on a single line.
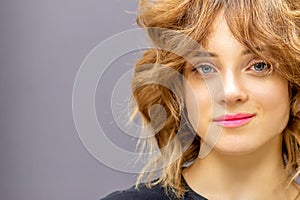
{"points": [[153, 193]]}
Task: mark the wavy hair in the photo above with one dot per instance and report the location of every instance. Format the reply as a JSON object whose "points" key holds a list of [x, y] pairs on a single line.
{"points": [[271, 25]]}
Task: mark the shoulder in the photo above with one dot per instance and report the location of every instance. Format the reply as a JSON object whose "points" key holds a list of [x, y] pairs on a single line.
{"points": [[143, 192]]}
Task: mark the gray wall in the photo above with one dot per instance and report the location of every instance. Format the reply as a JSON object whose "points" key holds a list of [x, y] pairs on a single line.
{"points": [[42, 45]]}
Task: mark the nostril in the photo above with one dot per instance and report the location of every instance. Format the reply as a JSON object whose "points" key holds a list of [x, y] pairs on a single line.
{"points": [[232, 95]]}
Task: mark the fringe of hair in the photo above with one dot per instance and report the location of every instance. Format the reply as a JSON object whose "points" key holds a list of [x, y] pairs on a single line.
{"points": [[269, 28]]}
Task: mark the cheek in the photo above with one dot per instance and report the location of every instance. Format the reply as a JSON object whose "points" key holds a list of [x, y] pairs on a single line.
{"points": [[198, 104], [273, 100]]}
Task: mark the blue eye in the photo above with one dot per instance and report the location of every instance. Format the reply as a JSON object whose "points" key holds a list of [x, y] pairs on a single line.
{"points": [[261, 66], [205, 69], [261, 69]]}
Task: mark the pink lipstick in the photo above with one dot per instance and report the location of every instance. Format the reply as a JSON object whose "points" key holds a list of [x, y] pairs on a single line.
{"points": [[232, 121]]}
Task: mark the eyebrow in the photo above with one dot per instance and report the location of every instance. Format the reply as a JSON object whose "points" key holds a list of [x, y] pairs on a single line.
{"points": [[203, 54], [210, 54], [247, 51]]}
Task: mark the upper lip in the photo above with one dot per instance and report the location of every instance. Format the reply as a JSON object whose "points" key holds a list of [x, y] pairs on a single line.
{"points": [[233, 117]]}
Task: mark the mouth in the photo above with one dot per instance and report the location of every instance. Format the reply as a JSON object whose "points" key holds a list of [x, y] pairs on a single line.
{"points": [[233, 121]]}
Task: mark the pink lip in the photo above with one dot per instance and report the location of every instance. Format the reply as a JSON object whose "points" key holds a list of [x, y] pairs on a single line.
{"points": [[232, 121]]}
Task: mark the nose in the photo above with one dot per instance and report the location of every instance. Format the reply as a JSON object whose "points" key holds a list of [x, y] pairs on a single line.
{"points": [[233, 90]]}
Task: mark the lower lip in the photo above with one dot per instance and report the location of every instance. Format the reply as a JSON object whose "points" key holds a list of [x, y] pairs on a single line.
{"points": [[234, 123]]}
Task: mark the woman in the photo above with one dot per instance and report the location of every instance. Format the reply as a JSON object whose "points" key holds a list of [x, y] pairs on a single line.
{"points": [[238, 95]]}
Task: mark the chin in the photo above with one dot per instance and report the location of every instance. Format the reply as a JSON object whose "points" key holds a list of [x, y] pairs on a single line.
{"points": [[237, 151], [235, 147]]}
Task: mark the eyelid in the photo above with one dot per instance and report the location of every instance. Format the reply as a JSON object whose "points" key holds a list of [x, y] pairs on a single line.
{"points": [[198, 65], [197, 70], [257, 61]]}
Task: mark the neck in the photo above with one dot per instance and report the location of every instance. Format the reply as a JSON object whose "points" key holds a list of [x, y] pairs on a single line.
{"points": [[259, 172]]}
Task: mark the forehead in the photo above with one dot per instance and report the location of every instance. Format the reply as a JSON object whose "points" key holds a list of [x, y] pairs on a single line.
{"points": [[220, 39]]}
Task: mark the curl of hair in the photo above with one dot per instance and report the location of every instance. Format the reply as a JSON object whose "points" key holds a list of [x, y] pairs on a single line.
{"points": [[269, 28]]}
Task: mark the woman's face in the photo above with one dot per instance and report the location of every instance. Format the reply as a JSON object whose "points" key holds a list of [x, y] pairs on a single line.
{"points": [[234, 93]]}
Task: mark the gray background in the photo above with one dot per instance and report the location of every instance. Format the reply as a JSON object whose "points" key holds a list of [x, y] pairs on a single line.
{"points": [[42, 45]]}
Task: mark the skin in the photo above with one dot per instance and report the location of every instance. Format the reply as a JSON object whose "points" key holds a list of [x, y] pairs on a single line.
{"points": [[245, 161]]}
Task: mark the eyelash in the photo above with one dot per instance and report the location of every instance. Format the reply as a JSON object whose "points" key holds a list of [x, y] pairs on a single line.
{"points": [[268, 68], [195, 69]]}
